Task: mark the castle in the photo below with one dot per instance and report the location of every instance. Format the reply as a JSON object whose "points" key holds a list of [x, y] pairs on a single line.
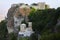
{"points": [[19, 13]]}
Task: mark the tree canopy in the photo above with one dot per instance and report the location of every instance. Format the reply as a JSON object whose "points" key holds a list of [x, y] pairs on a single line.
{"points": [[44, 19], [3, 30]]}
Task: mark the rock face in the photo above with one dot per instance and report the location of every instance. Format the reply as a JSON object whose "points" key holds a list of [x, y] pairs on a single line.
{"points": [[58, 22], [10, 20], [15, 14]]}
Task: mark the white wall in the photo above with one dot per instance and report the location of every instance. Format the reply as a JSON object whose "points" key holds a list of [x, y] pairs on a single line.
{"points": [[10, 30]]}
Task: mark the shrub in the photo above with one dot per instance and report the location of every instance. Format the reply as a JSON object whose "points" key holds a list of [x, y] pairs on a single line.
{"points": [[53, 36]]}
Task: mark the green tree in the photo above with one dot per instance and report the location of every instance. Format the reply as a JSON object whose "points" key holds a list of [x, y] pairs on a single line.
{"points": [[53, 36], [12, 36], [33, 36], [43, 20], [3, 30]]}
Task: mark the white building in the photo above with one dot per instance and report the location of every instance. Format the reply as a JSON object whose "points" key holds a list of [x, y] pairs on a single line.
{"points": [[26, 31], [40, 5]]}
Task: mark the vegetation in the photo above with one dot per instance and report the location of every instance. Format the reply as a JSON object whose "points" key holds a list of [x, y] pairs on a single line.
{"points": [[53, 36], [44, 23], [3, 30], [44, 20], [24, 38], [12, 36], [34, 36]]}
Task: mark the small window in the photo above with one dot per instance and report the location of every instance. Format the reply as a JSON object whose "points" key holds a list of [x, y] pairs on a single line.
{"points": [[21, 35]]}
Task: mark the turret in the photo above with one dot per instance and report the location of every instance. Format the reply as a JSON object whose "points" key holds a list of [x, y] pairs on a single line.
{"points": [[30, 25], [22, 27]]}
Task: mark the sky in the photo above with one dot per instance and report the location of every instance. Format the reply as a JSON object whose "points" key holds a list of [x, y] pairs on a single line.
{"points": [[6, 4]]}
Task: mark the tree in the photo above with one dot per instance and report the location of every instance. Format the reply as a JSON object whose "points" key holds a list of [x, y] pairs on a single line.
{"points": [[3, 30], [33, 36], [53, 36], [43, 20]]}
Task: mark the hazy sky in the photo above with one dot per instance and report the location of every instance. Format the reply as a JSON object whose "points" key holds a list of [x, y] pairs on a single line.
{"points": [[6, 4]]}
